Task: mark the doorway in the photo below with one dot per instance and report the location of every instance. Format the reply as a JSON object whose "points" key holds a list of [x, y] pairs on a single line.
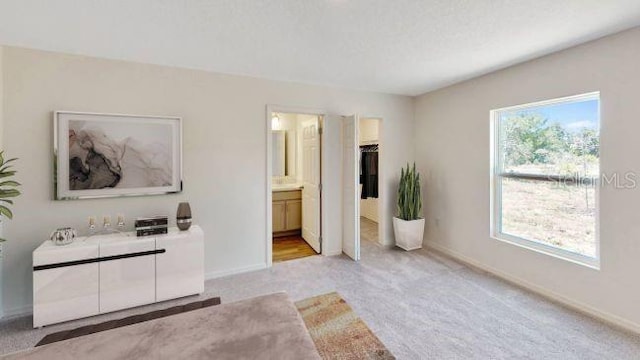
{"points": [[362, 217], [295, 178], [369, 146], [338, 155]]}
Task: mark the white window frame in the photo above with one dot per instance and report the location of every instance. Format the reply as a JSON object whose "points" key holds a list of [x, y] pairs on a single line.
{"points": [[496, 190]]}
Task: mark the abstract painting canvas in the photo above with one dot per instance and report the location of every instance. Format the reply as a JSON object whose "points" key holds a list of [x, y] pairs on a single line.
{"points": [[103, 155]]}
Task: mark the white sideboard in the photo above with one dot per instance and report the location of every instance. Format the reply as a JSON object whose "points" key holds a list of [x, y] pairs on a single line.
{"points": [[104, 273]]}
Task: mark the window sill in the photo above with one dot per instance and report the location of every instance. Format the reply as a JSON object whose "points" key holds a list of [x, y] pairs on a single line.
{"points": [[590, 262]]}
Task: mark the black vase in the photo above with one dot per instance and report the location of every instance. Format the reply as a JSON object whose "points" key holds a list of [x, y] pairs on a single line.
{"points": [[183, 217]]}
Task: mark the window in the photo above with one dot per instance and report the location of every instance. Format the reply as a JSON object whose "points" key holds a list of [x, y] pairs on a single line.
{"points": [[546, 165]]}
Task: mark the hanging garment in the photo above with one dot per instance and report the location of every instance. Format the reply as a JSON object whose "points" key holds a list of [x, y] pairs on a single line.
{"points": [[369, 174]]}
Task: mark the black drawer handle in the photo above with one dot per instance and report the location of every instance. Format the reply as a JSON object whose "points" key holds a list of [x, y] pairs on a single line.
{"points": [[98, 259]]}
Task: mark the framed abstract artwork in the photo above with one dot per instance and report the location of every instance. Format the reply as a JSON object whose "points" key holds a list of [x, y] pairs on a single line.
{"points": [[109, 155]]}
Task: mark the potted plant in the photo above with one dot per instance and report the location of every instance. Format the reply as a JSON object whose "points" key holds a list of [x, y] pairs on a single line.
{"points": [[408, 226], [7, 188]]}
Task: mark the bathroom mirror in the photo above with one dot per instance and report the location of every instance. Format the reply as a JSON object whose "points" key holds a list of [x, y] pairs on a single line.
{"points": [[284, 153]]}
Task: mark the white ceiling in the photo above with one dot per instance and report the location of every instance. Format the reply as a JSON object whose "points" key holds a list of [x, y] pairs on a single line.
{"points": [[392, 46]]}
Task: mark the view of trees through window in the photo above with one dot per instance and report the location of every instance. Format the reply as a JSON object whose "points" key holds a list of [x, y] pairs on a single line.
{"points": [[548, 166]]}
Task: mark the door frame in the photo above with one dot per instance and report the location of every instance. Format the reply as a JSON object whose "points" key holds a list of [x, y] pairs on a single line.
{"points": [[382, 218], [270, 109]]}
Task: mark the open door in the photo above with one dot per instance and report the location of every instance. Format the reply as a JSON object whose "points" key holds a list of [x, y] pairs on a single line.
{"points": [[350, 185], [311, 183]]}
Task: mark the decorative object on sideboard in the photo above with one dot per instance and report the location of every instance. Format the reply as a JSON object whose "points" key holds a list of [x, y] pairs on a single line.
{"points": [[63, 236], [120, 223], [106, 223], [92, 224], [183, 216], [7, 188], [408, 227], [106, 155], [107, 226], [155, 225]]}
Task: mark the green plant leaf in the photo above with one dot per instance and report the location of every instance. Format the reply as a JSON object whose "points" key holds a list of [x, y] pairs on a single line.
{"points": [[5, 168], [9, 183], [8, 161], [9, 193], [6, 212], [7, 187], [409, 194], [7, 174]]}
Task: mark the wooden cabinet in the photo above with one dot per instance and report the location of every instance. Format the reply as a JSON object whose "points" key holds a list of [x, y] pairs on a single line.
{"points": [[279, 213], [294, 215], [286, 212]]}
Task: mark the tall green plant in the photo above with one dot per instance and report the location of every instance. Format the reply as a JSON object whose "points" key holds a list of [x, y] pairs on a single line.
{"points": [[409, 197], [7, 187]]}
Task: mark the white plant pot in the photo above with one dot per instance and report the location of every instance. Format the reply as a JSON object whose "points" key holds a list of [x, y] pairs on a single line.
{"points": [[409, 234]]}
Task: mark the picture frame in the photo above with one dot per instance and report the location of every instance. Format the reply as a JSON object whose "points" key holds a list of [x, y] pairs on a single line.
{"points": [[100, 155]]}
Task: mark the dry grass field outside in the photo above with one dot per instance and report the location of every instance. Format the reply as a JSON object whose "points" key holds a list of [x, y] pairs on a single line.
{"points": [[551, 213]]}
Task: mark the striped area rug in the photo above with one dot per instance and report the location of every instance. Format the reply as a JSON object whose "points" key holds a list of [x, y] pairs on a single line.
{"points": [[337, 331]]}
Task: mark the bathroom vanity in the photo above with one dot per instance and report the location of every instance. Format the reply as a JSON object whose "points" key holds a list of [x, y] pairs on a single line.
{"points": [[104, 273], [286, 210]]}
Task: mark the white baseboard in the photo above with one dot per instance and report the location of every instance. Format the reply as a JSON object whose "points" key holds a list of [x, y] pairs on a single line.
{"points": [[332, 252], [609, 318], [239, 270]]}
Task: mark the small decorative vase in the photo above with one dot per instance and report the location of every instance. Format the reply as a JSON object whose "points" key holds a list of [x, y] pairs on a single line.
{"points": [[63, 236], [183, 217]]}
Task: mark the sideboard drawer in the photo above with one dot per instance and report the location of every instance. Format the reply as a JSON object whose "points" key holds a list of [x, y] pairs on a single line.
{"points": [[56, 255]]}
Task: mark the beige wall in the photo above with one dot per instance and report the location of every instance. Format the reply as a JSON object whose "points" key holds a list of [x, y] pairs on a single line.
{"points": [[224, 150], [453, 149]]}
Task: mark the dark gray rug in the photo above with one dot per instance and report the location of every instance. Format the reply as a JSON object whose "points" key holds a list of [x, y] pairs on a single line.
{"points": [[130, 320]]}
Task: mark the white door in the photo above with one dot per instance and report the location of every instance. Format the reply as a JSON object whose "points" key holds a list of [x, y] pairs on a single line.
{"points": [[311, 183], [350, 186]]}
